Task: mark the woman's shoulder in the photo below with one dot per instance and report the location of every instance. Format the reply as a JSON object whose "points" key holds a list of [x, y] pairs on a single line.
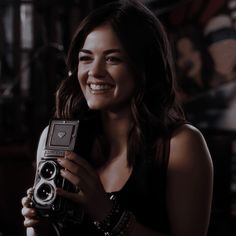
{"points": [[187, 144], [186, 133], [189, 181]]}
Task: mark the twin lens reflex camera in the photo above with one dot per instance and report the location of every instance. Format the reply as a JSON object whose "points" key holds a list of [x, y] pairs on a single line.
{"points": [[61, 136]]}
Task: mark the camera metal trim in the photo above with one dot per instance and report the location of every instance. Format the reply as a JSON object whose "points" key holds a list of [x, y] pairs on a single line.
{"points": [[50, 145]]}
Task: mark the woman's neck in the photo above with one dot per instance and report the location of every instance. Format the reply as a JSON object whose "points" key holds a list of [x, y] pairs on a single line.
{"points": [[116, 128]]}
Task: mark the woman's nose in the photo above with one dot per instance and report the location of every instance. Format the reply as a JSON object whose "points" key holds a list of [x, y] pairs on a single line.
{"points": [[97, 69]]}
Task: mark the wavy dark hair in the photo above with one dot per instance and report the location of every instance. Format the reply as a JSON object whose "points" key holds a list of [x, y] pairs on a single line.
{"points": [[154, 107]]}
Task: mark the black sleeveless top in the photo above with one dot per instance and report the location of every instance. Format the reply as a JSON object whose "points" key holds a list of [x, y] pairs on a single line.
{"points": [[144, 194]]}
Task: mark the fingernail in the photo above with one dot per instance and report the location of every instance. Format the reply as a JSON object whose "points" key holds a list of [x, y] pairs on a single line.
{"points": [[30, 191], [67, 153], [32, 212]]}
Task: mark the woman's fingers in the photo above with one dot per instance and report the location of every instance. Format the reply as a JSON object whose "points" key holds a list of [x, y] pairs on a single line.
{"points": [[75, 197], [73, 167], [30, 191], [26, 202], [77, 171], [28, 212], [79, 160], [74, 179], [28, 222], [31, 219]]}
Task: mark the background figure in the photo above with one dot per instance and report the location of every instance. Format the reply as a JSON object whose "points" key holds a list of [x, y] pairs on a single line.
{"points": [[193, 62], [221, 42]]}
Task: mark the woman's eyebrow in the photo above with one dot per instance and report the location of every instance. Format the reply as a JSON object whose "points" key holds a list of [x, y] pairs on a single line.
{"points": [[112, 50], [85, 51], [108, 51]]}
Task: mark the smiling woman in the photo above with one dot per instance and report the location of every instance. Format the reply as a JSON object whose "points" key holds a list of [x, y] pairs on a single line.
{"points": [[103, 71], [140, 168]]}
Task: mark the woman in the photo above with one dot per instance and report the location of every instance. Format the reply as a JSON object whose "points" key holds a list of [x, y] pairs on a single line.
{"points": [[136, 143]]}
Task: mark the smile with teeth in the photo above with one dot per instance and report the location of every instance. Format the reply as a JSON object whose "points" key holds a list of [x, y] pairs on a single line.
{"points": [[100, 87]]}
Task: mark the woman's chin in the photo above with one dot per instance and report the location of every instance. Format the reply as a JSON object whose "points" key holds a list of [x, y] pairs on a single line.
{"points": [[95, 106]]}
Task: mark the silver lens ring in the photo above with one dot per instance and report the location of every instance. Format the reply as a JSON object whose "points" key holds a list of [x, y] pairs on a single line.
{"points": [[44, 193], [48, 170]]}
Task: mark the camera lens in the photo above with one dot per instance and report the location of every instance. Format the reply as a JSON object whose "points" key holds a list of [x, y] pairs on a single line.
{"points": [[48, 170], [45, 192]]}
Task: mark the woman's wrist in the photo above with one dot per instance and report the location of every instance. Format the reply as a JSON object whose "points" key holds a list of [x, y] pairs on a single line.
{"points": [[118, 221]]}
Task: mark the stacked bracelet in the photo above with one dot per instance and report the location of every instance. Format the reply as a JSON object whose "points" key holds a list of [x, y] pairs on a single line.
{"points": [[118, 222], [124, 225], [107, 224]]}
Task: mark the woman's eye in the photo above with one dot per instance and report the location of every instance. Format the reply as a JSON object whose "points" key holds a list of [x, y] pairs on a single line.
{"points": [[113, 60], [85, 58]]}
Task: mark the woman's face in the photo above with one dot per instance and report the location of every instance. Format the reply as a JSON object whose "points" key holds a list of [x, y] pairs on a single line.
{"points": [[103, 71]]}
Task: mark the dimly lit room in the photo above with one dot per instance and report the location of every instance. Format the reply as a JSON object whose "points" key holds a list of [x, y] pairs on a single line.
{"points": [[35, 41]]}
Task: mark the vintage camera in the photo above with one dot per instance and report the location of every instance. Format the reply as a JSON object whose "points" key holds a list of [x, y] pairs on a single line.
{"points": [[62, 136]]}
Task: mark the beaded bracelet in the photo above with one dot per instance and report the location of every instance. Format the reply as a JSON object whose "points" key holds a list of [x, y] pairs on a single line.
{"points": [[118, 222], [107, 224], [124, 225], [129, 226]]}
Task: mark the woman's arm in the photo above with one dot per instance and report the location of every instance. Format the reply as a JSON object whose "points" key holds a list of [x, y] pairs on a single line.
{"points": [[190, 183], [189, 188]]}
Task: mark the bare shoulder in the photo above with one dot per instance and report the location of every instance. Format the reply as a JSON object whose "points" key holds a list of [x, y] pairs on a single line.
{"points": [[186, 132], [189, 182], [187, 144]]}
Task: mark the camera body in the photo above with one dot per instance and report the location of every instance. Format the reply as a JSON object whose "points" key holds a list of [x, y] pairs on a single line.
{"points": [[61, 137]]}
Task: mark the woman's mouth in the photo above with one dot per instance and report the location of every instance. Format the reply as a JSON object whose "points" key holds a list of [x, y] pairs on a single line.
{"points": [[99, 87]]}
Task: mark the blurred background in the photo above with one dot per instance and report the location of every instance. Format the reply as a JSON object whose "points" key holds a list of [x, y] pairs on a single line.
{"points": [[34, 39]]}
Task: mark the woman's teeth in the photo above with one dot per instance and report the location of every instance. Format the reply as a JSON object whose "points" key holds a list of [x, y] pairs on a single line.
{"points": [[97, 87]]}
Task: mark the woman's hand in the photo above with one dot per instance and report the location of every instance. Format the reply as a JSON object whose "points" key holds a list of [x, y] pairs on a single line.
{"points": [[33, 224], [91, 194], [29, 213]]}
